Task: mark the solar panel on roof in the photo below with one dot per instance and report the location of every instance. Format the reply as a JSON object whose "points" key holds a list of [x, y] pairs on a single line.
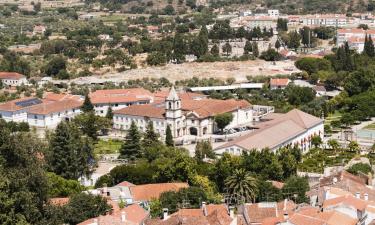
{"points": [[29, 102]]}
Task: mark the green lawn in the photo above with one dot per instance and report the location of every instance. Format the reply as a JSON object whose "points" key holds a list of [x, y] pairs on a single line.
{"points": [[332, 116], [107, 147], [370, 127]]}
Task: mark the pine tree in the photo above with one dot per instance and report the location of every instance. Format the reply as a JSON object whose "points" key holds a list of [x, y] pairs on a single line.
{"points": [[109, 114], [71, 155], [255, 49], [227, 48], [87, 105], [168, 137], [131, 148], [150, 138], [368, 48]]}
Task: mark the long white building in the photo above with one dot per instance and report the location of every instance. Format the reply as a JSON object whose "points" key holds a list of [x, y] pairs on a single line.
{"points": [[13, 79], [295, 128], [355, 38]]}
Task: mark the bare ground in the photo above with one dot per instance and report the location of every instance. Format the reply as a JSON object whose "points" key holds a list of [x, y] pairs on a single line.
{"points": [[220, 70]]}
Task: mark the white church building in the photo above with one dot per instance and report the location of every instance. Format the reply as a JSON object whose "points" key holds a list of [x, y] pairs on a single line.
{"points": [[185, 116]]}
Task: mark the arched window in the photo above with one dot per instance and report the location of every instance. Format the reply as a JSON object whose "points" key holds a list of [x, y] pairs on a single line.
{"points": [[170, 105]]}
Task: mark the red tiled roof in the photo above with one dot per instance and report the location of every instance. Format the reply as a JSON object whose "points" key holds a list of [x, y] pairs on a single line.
{"points": [[50, 96], [279, 81], [54, 107], [11, 75], [125, 184], [10, 106], [151, 111], [146, 192], [336, 218], [347, 200], [120, 95]]}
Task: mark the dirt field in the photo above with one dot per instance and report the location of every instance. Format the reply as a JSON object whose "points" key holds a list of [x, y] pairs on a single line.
{"points": [[220, 70]]}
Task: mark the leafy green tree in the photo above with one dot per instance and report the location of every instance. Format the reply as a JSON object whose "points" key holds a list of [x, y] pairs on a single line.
{"points": [[60, 187], [316, 141], [87, 106], [85, 206], [54, 66], [156, 59], [204, 149], [288, 163], [150, 138], [369, 48], [23, 184], [12, 62], [267, 192], [156, 209], [294, 40], [295, 188], [360, 168], [109, 114], [334, 144], [169, 10], [242, 185], [223, 120], [131, 148], [353, 146], [282, 24], [169, 137], [90, 124], [70, 154], [270, 55], [299, 95], [172, 200], [227, 48], [179, 48]]}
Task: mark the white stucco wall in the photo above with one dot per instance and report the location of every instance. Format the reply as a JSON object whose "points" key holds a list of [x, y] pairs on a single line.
{"points": [[102, 108], [15, 82], [51, 120], [15, 116]]}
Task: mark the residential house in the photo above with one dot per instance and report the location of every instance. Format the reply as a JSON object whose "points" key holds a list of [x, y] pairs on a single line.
{"points": [[39, 30], [261, 21], [206, 215], [119, 99], [13, 79], [279, 83], [295, 128], [185, 116], [334, 20]]}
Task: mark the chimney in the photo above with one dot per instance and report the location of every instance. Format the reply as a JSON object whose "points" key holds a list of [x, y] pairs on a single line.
{"points": [[123, 216], [358, 195], [204, 208], [165, 214], [231, 212], [366, 197], [285, 204], [286, 216]]}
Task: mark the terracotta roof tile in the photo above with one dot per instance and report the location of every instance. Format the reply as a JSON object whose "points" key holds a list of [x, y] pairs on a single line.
{"points": [[11, 75], [146, 192], [345, 200], [279, 81], [121, 96], [336, 218], [150, 110], [54, 107], [13, 105]]}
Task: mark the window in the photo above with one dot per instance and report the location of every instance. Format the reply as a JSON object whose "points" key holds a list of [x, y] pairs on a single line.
{"points": [[35, 117], [170, 105]]}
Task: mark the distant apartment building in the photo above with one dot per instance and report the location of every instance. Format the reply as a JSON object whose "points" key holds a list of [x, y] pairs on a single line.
{"points": [[354, 36], [261, 21], [273, 12], [13, 79], [331, 20]]}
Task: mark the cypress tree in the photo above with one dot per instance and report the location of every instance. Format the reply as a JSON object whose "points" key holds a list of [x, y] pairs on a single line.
{"points": [[255, 49], [131, 148], [109, 114], [168, 137], [87, 105], [150, 137], [248, 48], [215, 51], [277, 45]]}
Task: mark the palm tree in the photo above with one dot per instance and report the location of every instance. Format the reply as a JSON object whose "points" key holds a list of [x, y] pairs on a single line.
{"points": [[242, 184]]}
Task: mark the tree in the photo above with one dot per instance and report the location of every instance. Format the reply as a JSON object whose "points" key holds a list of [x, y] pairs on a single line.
{"points": [[204, 149], [353, 146], [156, 59], [150, 138], [282, 24], [90, 124], [277, 44], [85, 206], [109, 114], [87, 106], [54, 66], [248, 48], [288, 163], [369, 48], [23, 184], [316, 140], [255, 49], [296, 188], [360, 168], [70, 154], [131, 148], [242, 185], [60, 187], [169, 137], [156, 209], [270, 55], [222, 120], [215, 51], [294, 40], [334, 144], [169, 10], [227, 48]]}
